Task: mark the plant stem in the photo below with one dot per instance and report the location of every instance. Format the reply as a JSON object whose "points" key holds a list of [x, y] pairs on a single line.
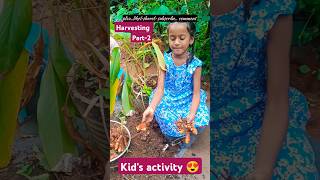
{"points": [[306, 24], [134, 57], [156, 59]]}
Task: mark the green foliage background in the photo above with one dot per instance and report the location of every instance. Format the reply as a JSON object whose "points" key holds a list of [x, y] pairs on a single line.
{"points": [[118, 8], [307, 21]]}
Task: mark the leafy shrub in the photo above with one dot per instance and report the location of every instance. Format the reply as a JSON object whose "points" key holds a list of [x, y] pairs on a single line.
{"points": [[170, 7]]}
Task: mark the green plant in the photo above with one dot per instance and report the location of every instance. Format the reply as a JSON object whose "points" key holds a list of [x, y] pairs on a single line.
{"points": [[308, 29], [15, 24], [116, 84], [305, 69], [136, 59], [147, 90], [161, 7], [139, 56], [11, 88], [57, 122], [53, 91]]}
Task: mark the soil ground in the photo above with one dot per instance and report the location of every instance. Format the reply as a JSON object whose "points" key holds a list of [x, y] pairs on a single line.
{"points": [[152, 147], [144, 144]]}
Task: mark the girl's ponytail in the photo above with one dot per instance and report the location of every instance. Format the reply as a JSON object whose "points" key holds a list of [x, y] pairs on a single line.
{"points": [[191, 27], [191, 55]]}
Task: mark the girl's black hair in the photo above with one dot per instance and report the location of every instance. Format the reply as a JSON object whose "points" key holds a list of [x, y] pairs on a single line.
{"points": [[247, 7], [191, 27]]}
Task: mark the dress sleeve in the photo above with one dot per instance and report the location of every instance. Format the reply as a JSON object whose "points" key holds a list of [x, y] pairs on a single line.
{"points": [[265, 14], [194, 64]]}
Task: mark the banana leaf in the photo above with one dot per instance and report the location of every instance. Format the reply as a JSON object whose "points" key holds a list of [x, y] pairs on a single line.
{"points": [[53, 90], [11, 90], [115, 75], [60, 61], [15, 23], [113, 95], [125, 96], [160, 57], [114, 64], [114, 79]]}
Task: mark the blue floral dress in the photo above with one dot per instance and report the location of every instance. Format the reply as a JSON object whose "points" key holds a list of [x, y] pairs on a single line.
{"points": [[238, 88], [177, 97]]}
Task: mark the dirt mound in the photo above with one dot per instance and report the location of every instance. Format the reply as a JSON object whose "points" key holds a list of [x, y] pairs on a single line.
{"points": [[145, 144]]}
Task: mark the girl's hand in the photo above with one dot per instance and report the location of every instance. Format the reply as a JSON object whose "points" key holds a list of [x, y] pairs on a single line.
{"points": [[148, 115]]}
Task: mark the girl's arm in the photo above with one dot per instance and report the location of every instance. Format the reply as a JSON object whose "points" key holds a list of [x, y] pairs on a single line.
{"points": [[275, 121], [159, 91], [196, 94]]}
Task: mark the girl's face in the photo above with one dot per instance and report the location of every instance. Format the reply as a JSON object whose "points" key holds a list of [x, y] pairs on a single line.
{"points": [[179, 38]]}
